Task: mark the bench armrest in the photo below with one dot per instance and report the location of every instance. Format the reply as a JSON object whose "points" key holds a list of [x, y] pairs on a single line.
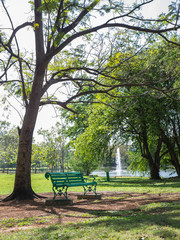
{"points": [[47, 175]]}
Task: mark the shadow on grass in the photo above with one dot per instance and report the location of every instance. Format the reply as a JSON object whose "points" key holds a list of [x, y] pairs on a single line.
{"points": [[149, 209], [157, 219], [164, 222]]}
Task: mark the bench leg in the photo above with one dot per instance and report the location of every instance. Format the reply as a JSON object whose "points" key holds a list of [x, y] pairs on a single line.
{"points": [[55, 194], [90, 189], [60, 192]]}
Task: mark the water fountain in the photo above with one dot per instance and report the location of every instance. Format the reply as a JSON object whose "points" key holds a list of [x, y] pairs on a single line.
{"points": [[112, 171], [118, 163]]}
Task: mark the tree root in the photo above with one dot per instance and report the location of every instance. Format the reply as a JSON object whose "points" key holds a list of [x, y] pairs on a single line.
{"points": [[38, 196], [22, 196]]}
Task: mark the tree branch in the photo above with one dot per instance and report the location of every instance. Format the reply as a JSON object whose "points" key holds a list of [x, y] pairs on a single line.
{"points": [[169, 41], [54, 51], [61, 104], [81, 16], [131, 11], [23, 84], [17, 29]]}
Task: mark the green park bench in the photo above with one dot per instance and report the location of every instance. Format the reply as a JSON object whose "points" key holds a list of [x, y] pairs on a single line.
{"points": [[62, 181]]}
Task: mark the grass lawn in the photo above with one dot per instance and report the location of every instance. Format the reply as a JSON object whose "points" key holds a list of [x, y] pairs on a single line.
{"points": [[151, 221], [120, 184]]}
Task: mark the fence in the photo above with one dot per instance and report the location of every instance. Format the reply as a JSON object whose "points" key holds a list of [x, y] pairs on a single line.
{"points": [[33, 170]]}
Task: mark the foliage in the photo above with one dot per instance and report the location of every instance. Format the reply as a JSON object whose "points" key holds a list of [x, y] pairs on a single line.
{"points": [[137, 163], [8, 144], [145, 118], [53, 150], [55, 146], [38, 155]]}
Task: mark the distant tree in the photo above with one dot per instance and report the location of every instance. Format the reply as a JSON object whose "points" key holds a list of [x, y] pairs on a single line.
{"points": [[92, 149], [8, 144], [38, 155], [55, 146]]}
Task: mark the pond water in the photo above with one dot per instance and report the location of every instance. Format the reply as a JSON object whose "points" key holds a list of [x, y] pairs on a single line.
{"points": [[126, 173]]}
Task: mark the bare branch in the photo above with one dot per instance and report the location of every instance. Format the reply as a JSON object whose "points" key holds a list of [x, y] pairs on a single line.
{"points": [[131, 11], [15, 109], [169, 41], [23, 84], [10, 81], [109, 25], [11, 22], [17, 29], [81, 16], [61, 104]]}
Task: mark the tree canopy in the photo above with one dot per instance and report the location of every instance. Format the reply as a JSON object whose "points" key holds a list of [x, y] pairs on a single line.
{"points": [[148, 119]]}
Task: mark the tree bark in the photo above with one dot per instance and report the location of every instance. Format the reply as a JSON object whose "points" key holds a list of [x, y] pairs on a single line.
{"points": [[22, 186], [154, 163], [154, 171], [174, 160], [172, 152]]}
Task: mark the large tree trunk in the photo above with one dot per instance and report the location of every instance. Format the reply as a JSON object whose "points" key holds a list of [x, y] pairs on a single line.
{"points": [[174, 160], [154, 171], [171, 149], [22, 186], [154, 163], [154, 166]]}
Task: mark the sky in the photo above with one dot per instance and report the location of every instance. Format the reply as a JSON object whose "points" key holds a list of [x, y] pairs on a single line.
{"points": [[19, 11]]}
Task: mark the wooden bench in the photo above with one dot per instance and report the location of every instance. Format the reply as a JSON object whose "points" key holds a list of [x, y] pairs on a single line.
{"points": [[62, 181]]}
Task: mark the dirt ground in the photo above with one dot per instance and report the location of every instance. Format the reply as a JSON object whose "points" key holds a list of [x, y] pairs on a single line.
{"points": [[78, 211]]}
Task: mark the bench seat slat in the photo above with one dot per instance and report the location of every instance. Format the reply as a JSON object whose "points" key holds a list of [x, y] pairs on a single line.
{"points": [[73, 184]]}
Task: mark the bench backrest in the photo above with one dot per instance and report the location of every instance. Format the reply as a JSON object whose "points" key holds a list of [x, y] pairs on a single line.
{"points": [[66, 177]]}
